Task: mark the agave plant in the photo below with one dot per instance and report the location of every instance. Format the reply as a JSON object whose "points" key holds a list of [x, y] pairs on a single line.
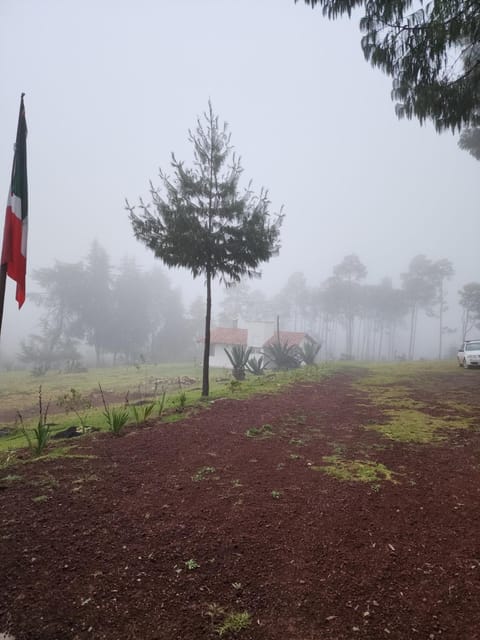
{"points": [[256, 365], [309, 351], [239, 356], [282, 355]]}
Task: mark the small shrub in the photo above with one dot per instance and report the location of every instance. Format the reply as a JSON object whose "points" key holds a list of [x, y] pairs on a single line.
{"points": [[161, 404], [283, 356], [74, 401], [238, 356], [141, 413], [256, 365], [310, 351], [116, 418], [41, 434], [234, 385], [181, 401]]}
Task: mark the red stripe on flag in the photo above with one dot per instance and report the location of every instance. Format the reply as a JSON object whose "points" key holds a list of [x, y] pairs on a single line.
{"points": [[12, 253]]}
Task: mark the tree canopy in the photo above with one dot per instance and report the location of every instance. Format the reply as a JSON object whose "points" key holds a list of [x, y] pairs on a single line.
{"points": [[470, 302], [429, 49], [121, 311], [202, 221]]}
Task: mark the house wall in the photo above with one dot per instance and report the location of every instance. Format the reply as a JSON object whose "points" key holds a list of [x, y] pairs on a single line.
{"points": [[219, 358], [258, 332]]}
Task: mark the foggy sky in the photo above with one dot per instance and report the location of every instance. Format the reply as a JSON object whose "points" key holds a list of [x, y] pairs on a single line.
{"points": [[112, 88]]}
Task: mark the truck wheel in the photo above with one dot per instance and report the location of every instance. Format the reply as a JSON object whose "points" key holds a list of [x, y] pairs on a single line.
{"points": [[465, 365]]}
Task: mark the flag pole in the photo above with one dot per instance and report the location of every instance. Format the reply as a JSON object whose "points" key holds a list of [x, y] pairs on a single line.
{"points": [[3, 280]]}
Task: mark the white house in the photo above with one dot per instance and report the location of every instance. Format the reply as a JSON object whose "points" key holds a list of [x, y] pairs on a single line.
{"points": [[249, 334]]}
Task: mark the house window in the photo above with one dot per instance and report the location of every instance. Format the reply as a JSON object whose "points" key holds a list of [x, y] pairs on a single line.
{"points": [[212, 350]]}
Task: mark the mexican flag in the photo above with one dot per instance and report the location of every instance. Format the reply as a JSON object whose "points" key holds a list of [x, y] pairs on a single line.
{"points": [[14, 250]]}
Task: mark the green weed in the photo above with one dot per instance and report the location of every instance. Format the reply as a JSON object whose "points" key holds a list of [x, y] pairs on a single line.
{"points": [[265, 431], [234, 622], [41, 433], [202, 473], [161, 404], [116, 418], [6, 459], [181, 401], [141, 413], [74, 401]]}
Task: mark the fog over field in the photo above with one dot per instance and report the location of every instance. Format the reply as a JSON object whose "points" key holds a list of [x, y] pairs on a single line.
{"points": [[112, 88]]}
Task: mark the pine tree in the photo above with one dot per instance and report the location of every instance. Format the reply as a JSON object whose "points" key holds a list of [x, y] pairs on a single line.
{"points": [[430, 49], [202, 222]]}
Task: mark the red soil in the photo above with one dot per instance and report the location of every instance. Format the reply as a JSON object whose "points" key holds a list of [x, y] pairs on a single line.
{"points": [[96, 548]]}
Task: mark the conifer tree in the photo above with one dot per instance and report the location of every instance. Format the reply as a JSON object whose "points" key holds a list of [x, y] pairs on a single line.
{"points": [[203, 222], [430, 49]]}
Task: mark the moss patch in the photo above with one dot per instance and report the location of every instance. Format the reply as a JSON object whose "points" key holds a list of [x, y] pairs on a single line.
{"points": [[409, 420], [265, 431], [418, 427], [355, 470]]}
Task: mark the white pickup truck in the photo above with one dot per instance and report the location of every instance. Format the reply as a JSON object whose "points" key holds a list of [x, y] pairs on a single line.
{"points": [[469, 354]]}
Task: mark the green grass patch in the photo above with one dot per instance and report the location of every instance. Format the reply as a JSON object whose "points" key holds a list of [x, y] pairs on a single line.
{"points": [[417, 427], [390, 386], [354, 470], [18, 387], [19, 392]]}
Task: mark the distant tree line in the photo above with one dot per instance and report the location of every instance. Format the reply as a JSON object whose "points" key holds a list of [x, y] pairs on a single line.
{"points": [[121, 312], [357, 319], [127, 315]]}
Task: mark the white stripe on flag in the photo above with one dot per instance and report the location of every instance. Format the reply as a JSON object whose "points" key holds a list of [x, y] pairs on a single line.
{"points": [[23, 248], [15, 204]]}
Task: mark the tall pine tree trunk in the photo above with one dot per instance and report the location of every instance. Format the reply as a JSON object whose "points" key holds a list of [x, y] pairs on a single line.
{"points": [[206, 350], [413, 330], [440, 318], [380, 340]]}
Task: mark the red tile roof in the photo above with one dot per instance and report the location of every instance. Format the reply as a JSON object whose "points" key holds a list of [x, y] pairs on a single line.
{"points": [[223, 335]]}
